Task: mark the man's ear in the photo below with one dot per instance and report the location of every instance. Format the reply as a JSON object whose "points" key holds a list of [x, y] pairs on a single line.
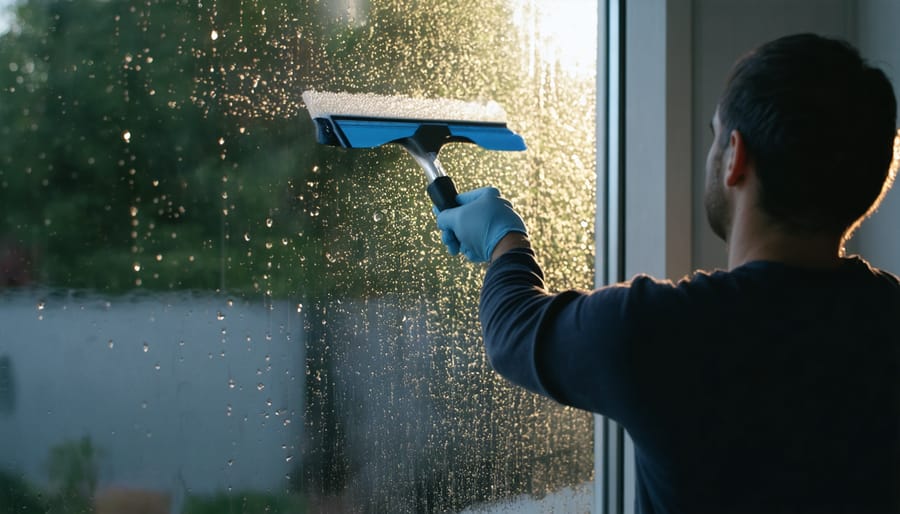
{"points": [[736, 167]]}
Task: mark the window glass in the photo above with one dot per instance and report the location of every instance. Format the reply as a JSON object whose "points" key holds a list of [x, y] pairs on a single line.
{"points": [[203, 310]]}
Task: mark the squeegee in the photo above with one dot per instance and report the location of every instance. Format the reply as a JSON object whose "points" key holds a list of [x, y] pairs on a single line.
{"points": [[420, 126]]}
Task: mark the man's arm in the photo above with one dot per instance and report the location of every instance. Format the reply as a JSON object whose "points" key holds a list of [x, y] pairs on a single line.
{"points": [[568, 346], [571, 346]]}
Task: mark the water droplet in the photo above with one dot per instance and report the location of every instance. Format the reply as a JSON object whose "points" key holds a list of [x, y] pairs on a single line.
{"points": [[269, 222], [299, 307], [159, 257], [260, 386], [378, 216], [137, 266], [126, 136], [228, 410], [156, 366], [220, 316], [246, 236], [41, 305], [134, 211], [231, 383], [230, 462], [111, 343], [214, 35], [146, 347], [230, 302], [268, 402], [221, 141], [288, 458]]}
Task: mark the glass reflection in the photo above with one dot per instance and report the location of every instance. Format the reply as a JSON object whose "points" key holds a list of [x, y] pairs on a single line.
{"points": [[206, 311]]}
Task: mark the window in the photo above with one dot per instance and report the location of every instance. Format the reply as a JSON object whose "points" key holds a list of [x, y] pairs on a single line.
{"points": [[208, 312]]}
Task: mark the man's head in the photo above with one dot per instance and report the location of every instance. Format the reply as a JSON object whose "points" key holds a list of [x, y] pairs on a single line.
{"points": [[818, 125]]}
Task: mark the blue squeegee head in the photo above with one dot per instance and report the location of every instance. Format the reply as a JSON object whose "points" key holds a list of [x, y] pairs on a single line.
{"points": [[368, 121], [358, 132], [421, 126]]}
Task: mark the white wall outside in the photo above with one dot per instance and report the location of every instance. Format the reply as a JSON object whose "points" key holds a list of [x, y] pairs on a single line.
{"points": [[80, 369]]}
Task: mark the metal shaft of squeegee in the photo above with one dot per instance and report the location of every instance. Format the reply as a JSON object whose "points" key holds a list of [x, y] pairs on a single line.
{"points": [[427, 160]]}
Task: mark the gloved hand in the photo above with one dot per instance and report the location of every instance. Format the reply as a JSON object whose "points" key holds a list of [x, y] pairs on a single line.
{"points": [[478, 224]]}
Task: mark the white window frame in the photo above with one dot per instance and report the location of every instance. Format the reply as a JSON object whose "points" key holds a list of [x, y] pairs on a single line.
{"points": [[644, 112]]}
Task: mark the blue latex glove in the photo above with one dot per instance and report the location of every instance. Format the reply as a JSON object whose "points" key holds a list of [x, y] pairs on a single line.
{"points": [[478, 224]]}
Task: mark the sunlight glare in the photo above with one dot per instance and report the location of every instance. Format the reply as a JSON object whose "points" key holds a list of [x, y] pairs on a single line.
{"points": [[6, 16], [564, 33]]}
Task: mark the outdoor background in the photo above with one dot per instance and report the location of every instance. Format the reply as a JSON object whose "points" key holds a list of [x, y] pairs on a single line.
{"points": [[202, 310]]}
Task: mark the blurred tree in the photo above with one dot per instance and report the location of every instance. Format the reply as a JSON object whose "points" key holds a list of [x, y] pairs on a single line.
{"points": [[120, 166], [16, 495]]}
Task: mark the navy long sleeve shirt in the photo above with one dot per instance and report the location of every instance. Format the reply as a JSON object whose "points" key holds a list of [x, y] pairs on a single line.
{"points": [[768, 388]]}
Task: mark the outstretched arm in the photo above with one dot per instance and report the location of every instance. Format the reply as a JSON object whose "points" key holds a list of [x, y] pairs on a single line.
{"points": [[568, 346]]}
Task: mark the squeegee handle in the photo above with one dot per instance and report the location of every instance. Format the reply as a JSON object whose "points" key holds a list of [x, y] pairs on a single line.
{"points": [[443, 193]]}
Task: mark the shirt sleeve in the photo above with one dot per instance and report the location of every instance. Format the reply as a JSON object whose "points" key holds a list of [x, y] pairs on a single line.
{"points": [[571, 346]]}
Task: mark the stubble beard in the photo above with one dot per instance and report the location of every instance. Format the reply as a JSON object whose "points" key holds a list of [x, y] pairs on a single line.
{"points": [[717, 211]]}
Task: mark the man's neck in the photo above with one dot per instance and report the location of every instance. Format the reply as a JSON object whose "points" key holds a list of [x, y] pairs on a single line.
{"points": [[760, 242]]}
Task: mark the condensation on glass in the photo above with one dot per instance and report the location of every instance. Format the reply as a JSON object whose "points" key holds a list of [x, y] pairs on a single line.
{"points": [[204, 311]]}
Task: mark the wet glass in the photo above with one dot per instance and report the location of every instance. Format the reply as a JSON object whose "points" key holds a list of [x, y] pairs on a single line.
{"points": [[202, 310]]}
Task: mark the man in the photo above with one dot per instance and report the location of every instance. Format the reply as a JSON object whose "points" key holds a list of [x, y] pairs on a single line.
{"points": [[772, 387]]}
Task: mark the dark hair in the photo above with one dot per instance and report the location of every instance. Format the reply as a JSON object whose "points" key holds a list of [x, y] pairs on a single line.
{"points": [[819, 125]]}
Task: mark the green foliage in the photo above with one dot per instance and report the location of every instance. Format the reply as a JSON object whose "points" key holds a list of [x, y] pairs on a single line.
{"points": [[115, 158], [16, 496], [72, 467]]}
